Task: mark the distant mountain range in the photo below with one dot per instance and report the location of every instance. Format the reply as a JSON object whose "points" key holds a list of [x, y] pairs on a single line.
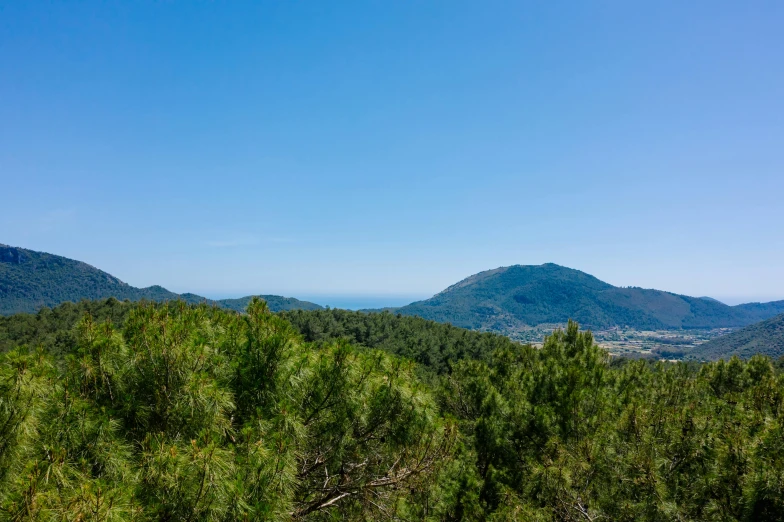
{"points": [[514, 297], [764, 338], [30, 280], [502, 300]]}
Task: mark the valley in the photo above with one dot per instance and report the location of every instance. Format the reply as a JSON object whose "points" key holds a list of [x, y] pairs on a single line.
{"points": [[661, 344], [631, 342]]}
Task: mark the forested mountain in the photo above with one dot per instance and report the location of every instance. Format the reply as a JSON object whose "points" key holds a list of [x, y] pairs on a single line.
{"points": [[30, 280], [513, 297], [764, 338], [762, 311], [145, 412], [499, 300]]}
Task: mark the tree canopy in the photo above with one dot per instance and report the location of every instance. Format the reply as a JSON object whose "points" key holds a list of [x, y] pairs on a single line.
{"points": [[188, 413], [121, 411]]}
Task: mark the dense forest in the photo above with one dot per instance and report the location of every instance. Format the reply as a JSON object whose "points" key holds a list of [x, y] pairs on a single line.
{"points": [[435, 346], [120, 411]]}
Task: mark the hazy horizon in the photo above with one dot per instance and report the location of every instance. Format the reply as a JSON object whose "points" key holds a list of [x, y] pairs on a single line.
{"points": [[351, 301], [356, 301]]}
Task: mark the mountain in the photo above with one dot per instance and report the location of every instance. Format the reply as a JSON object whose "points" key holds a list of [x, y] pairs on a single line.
{"points": [[509, 298], [762, 311], [276, 303], [30, 280], [765, 338]]}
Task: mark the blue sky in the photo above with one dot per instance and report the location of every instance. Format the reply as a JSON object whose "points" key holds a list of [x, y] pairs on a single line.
{"points": [[393, 148]]}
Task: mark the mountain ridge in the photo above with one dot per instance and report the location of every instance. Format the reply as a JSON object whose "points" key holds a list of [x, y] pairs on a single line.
{"points": [[520, 296], [502, 299], [30, 280]]}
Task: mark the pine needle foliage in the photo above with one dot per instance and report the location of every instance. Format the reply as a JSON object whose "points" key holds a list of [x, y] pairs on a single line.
{"points": [[195, 414], [190, 413], [556, 434]]}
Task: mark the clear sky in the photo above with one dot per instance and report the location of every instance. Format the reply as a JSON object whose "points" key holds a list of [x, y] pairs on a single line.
{"points": [[393, 148]]}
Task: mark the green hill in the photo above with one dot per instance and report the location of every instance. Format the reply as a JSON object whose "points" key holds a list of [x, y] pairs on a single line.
{"points": [[762, 311], [765, 338], [275, 303], [30, 280], [513, 297]]}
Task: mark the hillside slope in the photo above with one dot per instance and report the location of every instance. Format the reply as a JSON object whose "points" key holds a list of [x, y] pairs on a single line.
{"points": [[514, 297], [765, 338], [30, 280], [762, 311]]}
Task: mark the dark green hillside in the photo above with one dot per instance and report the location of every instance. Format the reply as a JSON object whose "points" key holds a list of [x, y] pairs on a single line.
{"points": [[276, 303], [434, 345], [765, 338], [30, 280], [512, 297], [762, 311], [195, 299], [659, 309]]}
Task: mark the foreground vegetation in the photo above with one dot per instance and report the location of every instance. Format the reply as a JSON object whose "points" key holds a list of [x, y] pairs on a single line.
{"points": [[199, 414], [174, 412]]}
